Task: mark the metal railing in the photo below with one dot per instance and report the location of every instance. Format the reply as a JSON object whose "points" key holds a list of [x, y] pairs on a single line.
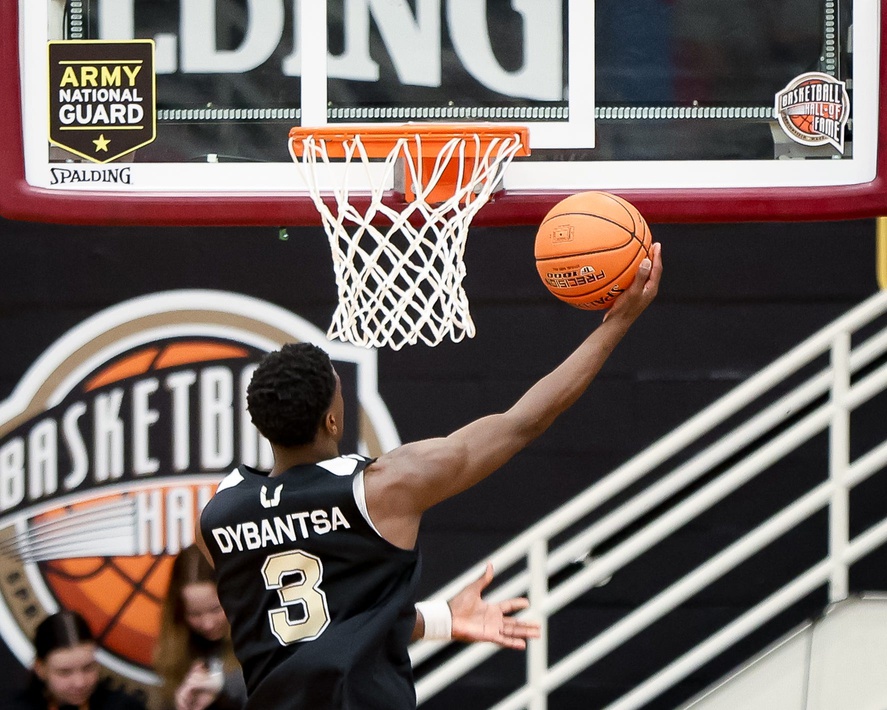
{"points": [[823, 402]]}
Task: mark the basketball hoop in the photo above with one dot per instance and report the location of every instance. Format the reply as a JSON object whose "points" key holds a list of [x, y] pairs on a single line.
{"points": [[399, 271]]}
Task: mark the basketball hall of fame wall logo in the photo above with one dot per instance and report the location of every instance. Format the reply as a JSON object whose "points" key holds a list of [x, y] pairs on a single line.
{"points": [[114, 440], [813, 110]]}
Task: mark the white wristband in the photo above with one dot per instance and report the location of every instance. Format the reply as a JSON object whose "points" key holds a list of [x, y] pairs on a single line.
{"points": [[438, 620]]}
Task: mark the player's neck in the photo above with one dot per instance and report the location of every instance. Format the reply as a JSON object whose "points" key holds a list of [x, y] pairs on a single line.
{"points": [[285, 457]]}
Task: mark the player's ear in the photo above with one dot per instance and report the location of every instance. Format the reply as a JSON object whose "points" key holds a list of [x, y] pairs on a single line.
{"points": [[332, 426]]}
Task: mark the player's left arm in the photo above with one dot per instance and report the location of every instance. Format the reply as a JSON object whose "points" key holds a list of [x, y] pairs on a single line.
{"points": [[403, 483], [468, 617]]}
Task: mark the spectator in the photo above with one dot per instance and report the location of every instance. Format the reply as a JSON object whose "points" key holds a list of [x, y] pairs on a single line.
{"points": [[193, 656], [65, 675]]}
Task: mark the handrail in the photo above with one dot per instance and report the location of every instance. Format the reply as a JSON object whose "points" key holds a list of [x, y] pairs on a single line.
{"points": [[805, 583], [701, 577], [845, 395]]}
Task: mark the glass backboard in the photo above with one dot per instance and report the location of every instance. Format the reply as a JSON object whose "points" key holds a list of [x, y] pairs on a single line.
{"points": [[175, 112]]}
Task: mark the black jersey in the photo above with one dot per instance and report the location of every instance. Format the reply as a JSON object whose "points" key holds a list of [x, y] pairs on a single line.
{"points": [[321, 606]]}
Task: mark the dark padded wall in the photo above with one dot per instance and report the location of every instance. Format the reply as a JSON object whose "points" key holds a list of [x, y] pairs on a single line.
{"points": [[734, 298]]}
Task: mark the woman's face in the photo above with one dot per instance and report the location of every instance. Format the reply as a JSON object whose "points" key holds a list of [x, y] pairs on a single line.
{"points": [[203, 613], [70, 674]]}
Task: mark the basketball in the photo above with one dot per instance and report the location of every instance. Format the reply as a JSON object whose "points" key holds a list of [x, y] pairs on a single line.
{"points": [[589, 247]]}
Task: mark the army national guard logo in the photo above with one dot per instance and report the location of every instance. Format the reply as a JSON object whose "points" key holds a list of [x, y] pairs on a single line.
{"points": [[102, 97], [813, 110], [116, 438]]}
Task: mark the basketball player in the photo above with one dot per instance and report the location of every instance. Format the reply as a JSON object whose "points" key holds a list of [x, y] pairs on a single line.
{"points": [[316, 563]]}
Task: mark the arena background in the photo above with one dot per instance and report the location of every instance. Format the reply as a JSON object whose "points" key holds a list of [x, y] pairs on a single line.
{"points": [[734, 297]]}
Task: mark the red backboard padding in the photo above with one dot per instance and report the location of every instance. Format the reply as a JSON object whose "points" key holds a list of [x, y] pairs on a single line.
{"points": [[19, 200]]}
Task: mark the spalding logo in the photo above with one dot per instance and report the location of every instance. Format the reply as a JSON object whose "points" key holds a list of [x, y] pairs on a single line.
{"points": [[113, 442]]}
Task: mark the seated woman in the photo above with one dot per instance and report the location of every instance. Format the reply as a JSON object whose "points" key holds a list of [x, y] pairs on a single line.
{"points": [[194, 657], [65, 673]]}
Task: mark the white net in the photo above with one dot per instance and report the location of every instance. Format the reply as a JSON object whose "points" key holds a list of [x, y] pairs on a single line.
{"points": [[399, 272]]}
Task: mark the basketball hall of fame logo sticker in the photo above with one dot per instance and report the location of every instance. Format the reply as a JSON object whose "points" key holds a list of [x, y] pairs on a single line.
{"points": [[102, 97], [813, 110], [115, 439]]}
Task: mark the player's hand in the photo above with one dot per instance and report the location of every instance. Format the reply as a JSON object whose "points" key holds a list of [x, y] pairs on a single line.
{"points": [[477, 620], [643, 289]]}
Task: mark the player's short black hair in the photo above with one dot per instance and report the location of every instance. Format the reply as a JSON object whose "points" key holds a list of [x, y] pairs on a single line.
{"points": [[290, 391]]}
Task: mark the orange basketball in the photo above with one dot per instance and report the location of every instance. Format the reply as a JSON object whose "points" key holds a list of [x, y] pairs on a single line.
{"points": [[589, 247], [804, 123]]}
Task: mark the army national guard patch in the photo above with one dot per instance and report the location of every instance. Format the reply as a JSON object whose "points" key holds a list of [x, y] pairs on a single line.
{"points": [[102, 97]]}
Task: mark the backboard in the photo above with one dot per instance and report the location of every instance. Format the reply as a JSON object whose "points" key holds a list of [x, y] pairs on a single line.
{"points": [[178, 112]]}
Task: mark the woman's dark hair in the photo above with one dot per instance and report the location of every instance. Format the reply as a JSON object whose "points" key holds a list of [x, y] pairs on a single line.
{"points": [[65, 629], [289, 393]]}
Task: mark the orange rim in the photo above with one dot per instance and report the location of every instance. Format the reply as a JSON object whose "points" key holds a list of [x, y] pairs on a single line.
{"points": [[379, 140]]}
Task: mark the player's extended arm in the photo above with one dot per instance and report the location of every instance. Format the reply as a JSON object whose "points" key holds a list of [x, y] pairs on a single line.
{"points": [[405, 482], [470, 618]]}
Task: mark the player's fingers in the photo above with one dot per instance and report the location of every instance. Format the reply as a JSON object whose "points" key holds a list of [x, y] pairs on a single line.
{"points": [[531, 630], [643, 273], [510, 641], [523, 629], [509, 606], [484, 580], [652, 285]]}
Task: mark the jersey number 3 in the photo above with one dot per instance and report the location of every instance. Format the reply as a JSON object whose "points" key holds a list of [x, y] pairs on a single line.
{"points": [[304, 591]]}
